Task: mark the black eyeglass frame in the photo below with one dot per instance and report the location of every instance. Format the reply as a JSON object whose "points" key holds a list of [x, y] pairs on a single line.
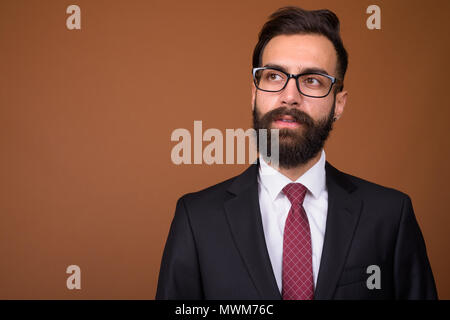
{"points": [[295, 76]]}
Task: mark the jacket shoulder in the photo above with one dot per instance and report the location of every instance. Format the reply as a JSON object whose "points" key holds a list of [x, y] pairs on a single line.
{"points": [[369, 190], [375, 189], [213, 196], [380, 204]]}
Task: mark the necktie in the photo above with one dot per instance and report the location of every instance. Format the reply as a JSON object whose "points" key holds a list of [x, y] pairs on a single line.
{"points": [[297, 275]]}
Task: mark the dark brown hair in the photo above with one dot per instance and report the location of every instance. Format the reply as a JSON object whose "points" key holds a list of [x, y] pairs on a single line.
{"points": [[294, 20]]}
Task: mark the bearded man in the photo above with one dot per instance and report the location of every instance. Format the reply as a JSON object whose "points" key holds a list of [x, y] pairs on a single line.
{"points": [[300, 230]]}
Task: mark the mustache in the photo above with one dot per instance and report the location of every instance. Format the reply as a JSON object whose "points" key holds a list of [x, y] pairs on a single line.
{"points": [[297, 115]]}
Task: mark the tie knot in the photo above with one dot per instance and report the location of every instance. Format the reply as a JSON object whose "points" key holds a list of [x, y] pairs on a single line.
{"points": [[295, 192]]}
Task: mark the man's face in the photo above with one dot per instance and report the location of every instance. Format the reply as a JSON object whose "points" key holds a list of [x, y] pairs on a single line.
{"points": [[302, 139]]}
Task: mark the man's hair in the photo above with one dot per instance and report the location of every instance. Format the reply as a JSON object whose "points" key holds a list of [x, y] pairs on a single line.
{"points": [[294, 20]]}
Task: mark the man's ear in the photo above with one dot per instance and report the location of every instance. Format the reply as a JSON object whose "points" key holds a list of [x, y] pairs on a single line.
{"points": [[341, 100], [253, 95]]}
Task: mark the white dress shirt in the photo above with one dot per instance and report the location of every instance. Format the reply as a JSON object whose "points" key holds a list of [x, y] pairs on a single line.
{"points": [[275, 207]]}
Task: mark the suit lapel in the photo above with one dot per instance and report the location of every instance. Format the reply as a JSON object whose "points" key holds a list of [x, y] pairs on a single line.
{"points": [[344, 208], [244, 218]]}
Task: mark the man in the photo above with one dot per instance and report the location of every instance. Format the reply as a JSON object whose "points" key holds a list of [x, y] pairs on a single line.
{"points": [[302, 229]]}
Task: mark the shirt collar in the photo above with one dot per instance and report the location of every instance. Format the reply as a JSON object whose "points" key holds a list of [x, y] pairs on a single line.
{"points": [[274, 181]]}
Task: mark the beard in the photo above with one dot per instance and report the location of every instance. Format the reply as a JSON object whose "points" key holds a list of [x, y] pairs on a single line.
{"points": [[296, 145]]}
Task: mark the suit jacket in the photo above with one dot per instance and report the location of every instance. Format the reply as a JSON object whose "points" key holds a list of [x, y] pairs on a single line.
{"points": [[216, 247]]}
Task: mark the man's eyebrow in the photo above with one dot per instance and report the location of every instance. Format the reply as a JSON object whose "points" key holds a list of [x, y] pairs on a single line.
{"points": [[312, 70], [307, 70], [276, 66]]}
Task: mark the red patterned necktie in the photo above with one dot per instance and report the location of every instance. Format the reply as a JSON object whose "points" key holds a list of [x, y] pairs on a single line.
{"points": [[297, 275]]}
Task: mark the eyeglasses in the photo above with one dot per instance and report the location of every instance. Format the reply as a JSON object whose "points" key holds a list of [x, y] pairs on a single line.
{"points": [[315, 84]]}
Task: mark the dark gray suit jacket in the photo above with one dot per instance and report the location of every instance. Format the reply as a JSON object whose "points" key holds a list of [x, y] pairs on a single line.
{"points": [[216, 247]]}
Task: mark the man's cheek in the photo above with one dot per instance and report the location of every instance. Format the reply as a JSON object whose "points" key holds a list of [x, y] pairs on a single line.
{"points": [[265, 105]]}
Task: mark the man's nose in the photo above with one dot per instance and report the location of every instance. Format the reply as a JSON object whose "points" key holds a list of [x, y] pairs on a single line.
{"points": [[290, 95]]}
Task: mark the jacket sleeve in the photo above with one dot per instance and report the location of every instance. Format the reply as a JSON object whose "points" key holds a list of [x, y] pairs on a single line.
{"points": [[413, 277], [179, 276]]}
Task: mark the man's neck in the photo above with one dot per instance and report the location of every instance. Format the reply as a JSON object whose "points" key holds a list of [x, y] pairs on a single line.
{"points": [[296, 172]]}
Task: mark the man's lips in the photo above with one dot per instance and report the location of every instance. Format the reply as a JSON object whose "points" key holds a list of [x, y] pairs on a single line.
{"points": [[286, 121]]}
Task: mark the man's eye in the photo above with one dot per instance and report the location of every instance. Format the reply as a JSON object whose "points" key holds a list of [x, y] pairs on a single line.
{"points": [[313, 81], [274, 76]]}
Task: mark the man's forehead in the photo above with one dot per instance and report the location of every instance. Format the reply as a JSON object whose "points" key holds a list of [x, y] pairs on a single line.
{"points": [[296, 53]]}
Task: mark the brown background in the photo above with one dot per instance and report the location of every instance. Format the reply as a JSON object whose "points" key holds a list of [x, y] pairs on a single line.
{"points": [[86, 117]]}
